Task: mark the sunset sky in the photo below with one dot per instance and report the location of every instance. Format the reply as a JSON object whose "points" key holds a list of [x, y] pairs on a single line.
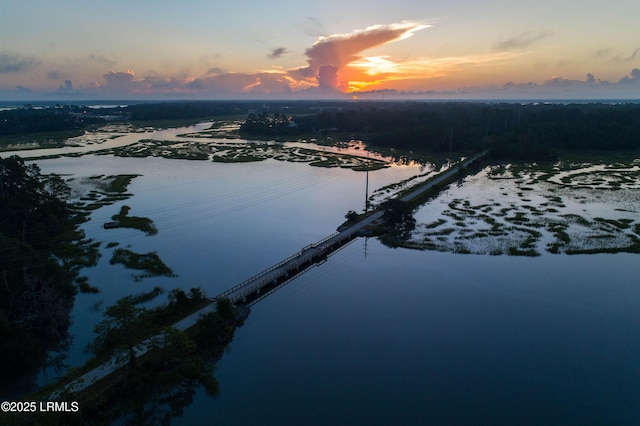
{"points": [[197, 49]]}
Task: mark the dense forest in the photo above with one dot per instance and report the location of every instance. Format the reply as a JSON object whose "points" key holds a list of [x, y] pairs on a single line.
{"points": [[510, 131], [38, 263], [28, 120]]}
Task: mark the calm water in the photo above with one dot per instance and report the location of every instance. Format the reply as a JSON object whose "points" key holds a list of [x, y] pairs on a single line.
{"points": [[405, 337], [374, 335], [218, 223]]}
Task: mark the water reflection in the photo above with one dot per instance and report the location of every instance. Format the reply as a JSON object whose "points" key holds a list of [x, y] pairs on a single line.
{"points": [[409, 337], [218, 223]]}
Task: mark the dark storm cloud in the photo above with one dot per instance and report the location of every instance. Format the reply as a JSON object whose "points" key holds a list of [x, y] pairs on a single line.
{"points": [[10, 62], [521, 41]]}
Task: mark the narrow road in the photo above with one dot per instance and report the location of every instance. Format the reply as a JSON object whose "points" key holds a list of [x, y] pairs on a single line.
{"points": [[269, 275], [112, 366]]}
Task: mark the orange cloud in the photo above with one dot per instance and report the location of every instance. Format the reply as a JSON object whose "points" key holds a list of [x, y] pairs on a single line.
{"points": [[330, 55], [384, 72]]}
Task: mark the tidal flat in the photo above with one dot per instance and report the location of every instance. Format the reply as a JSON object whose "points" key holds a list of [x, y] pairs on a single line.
{"points": [[244, 152], [572, 208]]}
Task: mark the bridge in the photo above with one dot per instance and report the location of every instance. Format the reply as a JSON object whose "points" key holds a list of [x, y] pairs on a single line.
{"points": [[259, 286]]}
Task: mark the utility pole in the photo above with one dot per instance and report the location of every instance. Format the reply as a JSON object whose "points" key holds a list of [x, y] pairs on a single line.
{"points": [[366, 190], [450, 147]]}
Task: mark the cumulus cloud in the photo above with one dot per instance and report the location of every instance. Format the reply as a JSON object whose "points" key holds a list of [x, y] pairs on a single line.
{"points": [[119, 80], [236, 83], [10, 63], [276, 53], [197, 85], [339, 50], [521, 41], [634, 79], [328, 77]]}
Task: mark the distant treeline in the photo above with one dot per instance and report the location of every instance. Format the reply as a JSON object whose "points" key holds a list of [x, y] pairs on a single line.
{"points": [[510, 131], [27, 120]]}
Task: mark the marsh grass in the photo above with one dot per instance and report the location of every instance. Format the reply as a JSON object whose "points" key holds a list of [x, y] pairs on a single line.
{"points": [[244, 152], [143, 224], [148, 262], [546, 207]]}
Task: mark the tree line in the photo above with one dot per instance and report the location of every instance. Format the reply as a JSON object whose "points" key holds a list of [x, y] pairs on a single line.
{"points": [[38, 263], [28, 120], [510, 131], [521, 132]]}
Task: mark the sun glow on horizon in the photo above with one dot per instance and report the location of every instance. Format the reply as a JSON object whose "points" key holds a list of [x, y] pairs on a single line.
{"points": [[375, 65]]}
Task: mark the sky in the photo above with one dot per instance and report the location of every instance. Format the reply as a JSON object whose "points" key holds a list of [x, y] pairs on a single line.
{"points": [[249, 49]]}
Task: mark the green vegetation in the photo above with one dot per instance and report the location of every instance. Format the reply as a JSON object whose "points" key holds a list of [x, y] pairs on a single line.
{"points": [[100, 191], [148, 262], [243, 152], [517, 226], [265, 124], [27, 120], [154, 387], [141, 223], [85, 287], [351, 216], [42, 251], [512, 132], [398, 218], [118, 183]]}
